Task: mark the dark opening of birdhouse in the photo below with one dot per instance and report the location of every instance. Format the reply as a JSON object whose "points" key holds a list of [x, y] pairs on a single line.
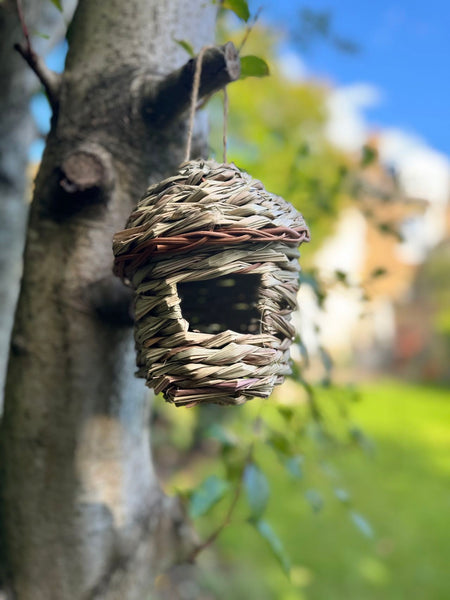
{"points": [[228, 302]]}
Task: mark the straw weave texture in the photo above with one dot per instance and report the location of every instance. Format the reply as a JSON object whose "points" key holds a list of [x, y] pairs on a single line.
{"points": [[213, 259]]}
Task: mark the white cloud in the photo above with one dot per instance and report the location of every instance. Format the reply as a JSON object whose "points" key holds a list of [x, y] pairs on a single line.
{"points": [[346, 127], [423, 172], [292, 66]]}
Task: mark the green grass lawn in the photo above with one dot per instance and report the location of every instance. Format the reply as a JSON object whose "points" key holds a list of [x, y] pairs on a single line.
{"points": [[401, 490]]}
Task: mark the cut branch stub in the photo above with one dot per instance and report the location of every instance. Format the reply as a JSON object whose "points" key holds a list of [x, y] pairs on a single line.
{"points": [[85, 177], [213, 259], [172, 96], [82, 171]]}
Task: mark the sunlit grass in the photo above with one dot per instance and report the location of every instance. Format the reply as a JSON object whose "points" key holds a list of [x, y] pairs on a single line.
{"points": [[401, 491]]}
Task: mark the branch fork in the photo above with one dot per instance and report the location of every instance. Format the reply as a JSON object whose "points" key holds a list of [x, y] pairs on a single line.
{"points": [[49, 79]]}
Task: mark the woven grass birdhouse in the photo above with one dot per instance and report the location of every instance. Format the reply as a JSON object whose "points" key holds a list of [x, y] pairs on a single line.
{"points": [[213, 259]]}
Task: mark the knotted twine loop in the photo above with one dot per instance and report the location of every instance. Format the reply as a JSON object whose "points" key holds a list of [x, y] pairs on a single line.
{"points": [[225, 123]]}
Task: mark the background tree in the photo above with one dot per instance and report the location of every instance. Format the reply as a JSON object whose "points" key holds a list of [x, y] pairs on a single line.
{"points": [[82, 513], [18, 83]]}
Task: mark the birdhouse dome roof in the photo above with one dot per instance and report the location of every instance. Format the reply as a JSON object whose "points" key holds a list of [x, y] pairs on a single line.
{"points": [[205, 204]]}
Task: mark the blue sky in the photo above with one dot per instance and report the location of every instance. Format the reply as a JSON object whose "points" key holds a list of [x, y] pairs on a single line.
{"points": [[404, 52]]}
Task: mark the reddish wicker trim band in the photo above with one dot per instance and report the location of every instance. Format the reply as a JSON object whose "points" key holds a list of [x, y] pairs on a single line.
{"points": [[161, 246]]}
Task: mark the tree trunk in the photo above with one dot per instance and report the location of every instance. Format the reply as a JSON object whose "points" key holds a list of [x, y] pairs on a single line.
{"points": [[82, 513]]}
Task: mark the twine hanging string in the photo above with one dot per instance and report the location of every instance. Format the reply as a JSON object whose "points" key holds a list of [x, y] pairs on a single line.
{"points": [[194, 100], [225, 124]]}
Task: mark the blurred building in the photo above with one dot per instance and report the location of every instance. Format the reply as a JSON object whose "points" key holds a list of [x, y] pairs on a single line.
{"points": [[378, 313]]}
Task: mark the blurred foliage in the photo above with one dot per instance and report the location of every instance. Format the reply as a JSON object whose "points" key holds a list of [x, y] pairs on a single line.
{"points": [[238, 450], [317, 26], [239, 7], [58, 4], [429, 307], [276, 133], [433, 281]]}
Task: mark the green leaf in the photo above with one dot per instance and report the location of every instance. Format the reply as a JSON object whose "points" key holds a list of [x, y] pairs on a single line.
{"points": [[286, 412], [326, 359], [44, 36], [342, 495], [379, 272], [303, 350], [352, 392], [186, 46], [234, 460], [58, 4], [362, 524], [239, 7], [341, 276], [253, 66], [275, 544], [206, 496], [368, 156], [390, 229], [222, 435], [315, 500], [280, 443], [347, 46], [257, 490], [359, 437], [294, 466], [311, 278]]}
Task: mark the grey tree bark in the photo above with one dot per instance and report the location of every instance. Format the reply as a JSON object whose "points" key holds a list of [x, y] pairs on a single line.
{"points": [[17, 84], [82, 514]]}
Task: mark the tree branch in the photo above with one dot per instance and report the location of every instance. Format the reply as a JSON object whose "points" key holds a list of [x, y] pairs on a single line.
{"points": [[49, 79], [215, 534], [229, 514], [221, 65]]}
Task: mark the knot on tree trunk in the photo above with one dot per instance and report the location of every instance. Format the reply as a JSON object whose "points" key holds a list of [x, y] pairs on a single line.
{"points": [[85, 177]]}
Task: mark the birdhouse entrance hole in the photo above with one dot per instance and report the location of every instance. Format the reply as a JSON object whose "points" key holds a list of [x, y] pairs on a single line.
{"points": [[228, 302]]}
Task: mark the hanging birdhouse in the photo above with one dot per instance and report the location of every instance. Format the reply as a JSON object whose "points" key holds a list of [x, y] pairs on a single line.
{"points": [[213, 259]]}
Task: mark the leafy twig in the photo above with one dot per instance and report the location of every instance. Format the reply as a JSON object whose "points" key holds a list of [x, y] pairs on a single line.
{"points": [[26, 33], [227, 520], [49, 79], [249, 28]]}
